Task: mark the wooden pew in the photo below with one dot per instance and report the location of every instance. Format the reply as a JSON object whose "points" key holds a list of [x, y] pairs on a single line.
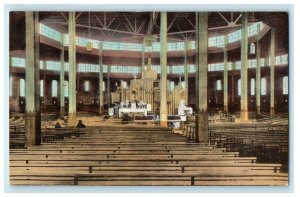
{"points": [[166, 159]]}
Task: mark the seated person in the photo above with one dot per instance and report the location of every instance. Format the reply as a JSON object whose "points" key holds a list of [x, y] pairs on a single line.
{"points": [[57, 125], [80, 124]]}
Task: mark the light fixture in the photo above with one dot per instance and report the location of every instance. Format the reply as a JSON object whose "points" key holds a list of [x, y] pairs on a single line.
{"points": [[89, 44], [148, 42]]}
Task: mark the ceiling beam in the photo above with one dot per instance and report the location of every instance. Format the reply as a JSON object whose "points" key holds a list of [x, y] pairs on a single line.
{"points": [[152, 21], [225, 19], [110, 30], [129, 29], [98, 28], [135, 28], [104, 16], [170, 25], [182, 34], [63, 15], [157, 27], [190, 36], [236, 20], [141, 26], [78, 15], [129, 23], [112, 21], [190, 22], [99, 21]]}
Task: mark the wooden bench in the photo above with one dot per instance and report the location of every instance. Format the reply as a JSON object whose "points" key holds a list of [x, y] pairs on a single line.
{"points": [[103, 156], [146, 179]]}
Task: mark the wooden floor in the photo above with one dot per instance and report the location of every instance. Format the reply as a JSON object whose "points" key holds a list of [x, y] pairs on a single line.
{"points": [[136, 156]]}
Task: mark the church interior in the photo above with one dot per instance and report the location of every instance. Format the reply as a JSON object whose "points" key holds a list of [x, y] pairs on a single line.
{"points": [[149, 98]]}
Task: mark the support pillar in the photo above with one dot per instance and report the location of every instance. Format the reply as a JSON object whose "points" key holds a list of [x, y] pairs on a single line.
{"points": [[62, 78], [108, 85], [272, 73], [258, 71], [32, 80], [225, 79], [196, 58], [72, 70], [186, 73], [14, 82], [202, 116], [15, 94], [163, 74], [143, 56], [44, 86], [233, 90], [101, 109], [244, 68]]}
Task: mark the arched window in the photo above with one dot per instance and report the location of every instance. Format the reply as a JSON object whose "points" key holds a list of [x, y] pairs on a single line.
{"points": [[252, 91], [41, 88], [86, 86], [263, 87], [10, 85], [219, 85], [239, 87], [66, 88], [252, 48], [285, 85], [54, 88], [22, 87]]}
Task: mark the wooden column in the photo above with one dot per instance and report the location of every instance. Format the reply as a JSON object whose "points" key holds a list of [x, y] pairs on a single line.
{"points": [[45, 85], [32, 75], [14, 81], [62, 78], [196, 57], [72, 70], [258, 71], [163, 74], [143, 57], [244, 68], [186, 72], [108, 84], [225, 79], [101, 109], [16, 94], [233, 90], [272, 73], [202, 116]]}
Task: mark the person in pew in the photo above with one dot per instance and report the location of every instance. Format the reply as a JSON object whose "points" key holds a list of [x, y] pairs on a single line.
{"points": [[80, 124], [57, 125]]}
